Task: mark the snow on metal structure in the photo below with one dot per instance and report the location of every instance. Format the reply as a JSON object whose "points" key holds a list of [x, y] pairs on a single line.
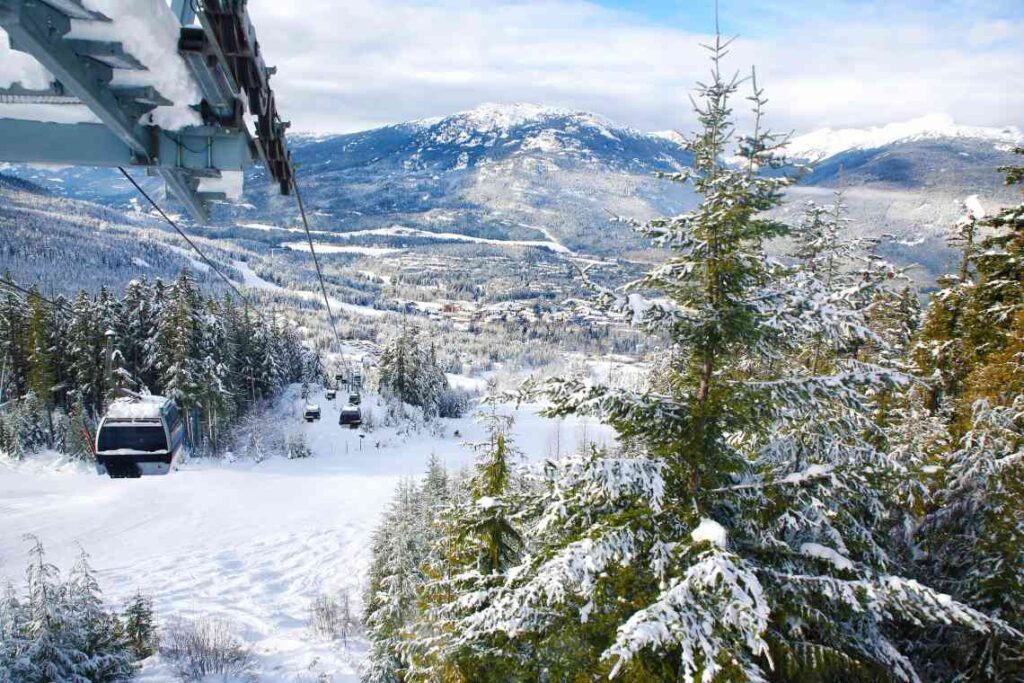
{"points": [[139, 83]]}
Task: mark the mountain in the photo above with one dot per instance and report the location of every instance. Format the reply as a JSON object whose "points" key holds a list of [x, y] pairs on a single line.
{"points": [[525, 176], [521, 172], [929, 153]]}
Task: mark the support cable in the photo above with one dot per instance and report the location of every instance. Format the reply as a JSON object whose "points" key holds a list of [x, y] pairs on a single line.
{"points": [[192, 244], [4, 282], [316, 262]]}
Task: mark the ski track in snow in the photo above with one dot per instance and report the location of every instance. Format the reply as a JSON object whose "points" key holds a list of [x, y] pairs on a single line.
{"points": [[251, 542], [253, 281]]}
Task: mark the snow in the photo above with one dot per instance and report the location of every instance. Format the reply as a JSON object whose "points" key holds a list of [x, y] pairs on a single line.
{"points": [[466, 383], [19, 67], [149, 32], [825, 553], [136, 408], [50, 113], [340, 249], [229, 182], [974, 207], [253, 281], [812, 472], [187, 254], [250, 542], [711, 531], [402, 231], [827, 142], [489, 117], [670, 135]]}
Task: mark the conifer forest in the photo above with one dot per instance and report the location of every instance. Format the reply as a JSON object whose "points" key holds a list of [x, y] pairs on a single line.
{"points": [[518, 394]]}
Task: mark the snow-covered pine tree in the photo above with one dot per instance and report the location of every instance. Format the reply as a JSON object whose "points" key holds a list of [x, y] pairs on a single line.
{"points": [[136, 327], [972, 533], [179, 348], [942, 352], [93, 630], [734, 535], [140, 629], [84, 346], [478, 542], [397, 368], [13, 350], [216, 396], [395, 577], [12, 641], [409, 372], [48, 654], [79, 443], [41, 370]]}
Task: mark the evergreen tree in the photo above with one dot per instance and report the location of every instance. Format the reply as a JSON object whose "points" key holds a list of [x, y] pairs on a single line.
{"points": [[94, 631], [477, 544], [85, 343], [395, 578], [47, 655], [140, 629], [942, 352], [739, 532], [178, 354], [41, 366], [410, 373], [971, 532]]}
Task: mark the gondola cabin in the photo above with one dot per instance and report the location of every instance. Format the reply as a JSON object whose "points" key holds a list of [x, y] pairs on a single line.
{"points": [[350, 417], [330, 394], [140, 435], [311, 413]]}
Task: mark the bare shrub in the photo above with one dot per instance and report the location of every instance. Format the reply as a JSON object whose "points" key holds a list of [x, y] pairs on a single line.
{"points": [[205, 647], [331, 617]]}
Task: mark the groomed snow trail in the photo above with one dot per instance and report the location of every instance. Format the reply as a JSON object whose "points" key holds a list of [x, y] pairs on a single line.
{"points": [[250, 542]]}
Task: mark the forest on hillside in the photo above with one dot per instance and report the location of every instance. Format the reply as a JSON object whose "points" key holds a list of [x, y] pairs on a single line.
{"points": [[216, 358]]}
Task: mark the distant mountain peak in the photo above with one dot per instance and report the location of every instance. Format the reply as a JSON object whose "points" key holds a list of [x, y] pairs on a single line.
{"points": [[493, 117], [671, 135], [826, 142]]}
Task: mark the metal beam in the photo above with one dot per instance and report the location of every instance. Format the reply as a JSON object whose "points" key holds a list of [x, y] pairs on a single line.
{"points": [[39, 30], [200, 151], [184, 188], [75, 9], [183, 11], [78, 144], [111, 54]]}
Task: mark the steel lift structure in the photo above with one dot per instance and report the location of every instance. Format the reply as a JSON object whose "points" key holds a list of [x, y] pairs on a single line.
{"points": [[217, 43]]}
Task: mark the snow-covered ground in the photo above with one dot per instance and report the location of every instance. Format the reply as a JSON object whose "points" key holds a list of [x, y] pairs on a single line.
{"points": [[251, 542]]}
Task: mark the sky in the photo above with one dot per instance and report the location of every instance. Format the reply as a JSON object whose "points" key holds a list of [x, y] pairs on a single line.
{"points": [[357, 64]]}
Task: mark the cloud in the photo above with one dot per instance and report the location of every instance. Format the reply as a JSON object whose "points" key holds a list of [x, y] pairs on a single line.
{"points": [[363, 63]]}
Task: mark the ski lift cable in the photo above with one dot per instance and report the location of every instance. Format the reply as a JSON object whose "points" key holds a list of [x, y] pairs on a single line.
{"points": [[316, 263], [4, 282], [192, 244]]}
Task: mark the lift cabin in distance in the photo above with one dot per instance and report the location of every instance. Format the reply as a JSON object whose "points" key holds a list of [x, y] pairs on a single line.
{"points": [[140, 435]]}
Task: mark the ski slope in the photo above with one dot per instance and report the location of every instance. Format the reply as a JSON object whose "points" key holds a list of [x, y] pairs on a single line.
{"points": [[250, 542]]}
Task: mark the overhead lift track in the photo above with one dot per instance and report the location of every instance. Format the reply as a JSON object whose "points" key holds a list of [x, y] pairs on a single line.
{"points": [[223, 56]]}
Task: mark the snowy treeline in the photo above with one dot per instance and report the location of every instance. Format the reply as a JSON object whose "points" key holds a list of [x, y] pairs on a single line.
{"points": [[409, 372], [440, 546], [819, 482], [60, 629], [210, 355]]}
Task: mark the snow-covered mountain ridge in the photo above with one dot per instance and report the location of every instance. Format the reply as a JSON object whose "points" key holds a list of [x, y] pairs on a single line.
{"points": [[827, 142], [525, 173]]}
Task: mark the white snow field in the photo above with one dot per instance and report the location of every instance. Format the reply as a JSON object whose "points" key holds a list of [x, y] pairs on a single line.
{"points": [[253, 543]]}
